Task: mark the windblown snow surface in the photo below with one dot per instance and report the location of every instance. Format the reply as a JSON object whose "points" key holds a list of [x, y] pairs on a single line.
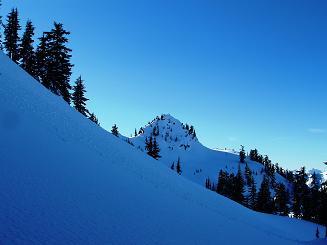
{"points": [[64, 180]]}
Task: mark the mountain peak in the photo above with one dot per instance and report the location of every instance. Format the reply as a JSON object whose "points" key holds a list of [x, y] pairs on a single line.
{"points": [[168, 131], [165, 117], [169, 117]]}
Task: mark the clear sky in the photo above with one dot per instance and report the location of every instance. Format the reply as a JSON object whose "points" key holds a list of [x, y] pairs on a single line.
{"points": [[242, 72]]}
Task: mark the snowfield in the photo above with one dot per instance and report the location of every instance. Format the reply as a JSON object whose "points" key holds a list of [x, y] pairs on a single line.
{"points": [[64, 180]]}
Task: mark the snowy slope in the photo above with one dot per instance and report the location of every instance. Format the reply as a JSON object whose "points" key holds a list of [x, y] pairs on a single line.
{"points": [[64, 180], [198, 162]]}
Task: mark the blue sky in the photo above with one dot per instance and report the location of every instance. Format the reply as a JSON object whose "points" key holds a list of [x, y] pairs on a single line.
{"points": [[242, 72]]}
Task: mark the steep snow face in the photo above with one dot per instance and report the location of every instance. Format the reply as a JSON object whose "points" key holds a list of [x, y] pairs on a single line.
{"points": [[64, 180], [198, 162]]}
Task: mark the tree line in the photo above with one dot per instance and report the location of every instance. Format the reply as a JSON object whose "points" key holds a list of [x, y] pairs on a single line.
{"points": [[299, 198], [48, 61]]}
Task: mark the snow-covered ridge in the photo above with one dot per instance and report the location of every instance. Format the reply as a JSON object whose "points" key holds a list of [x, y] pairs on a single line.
{"points": [[233, 151], [178, 140]]}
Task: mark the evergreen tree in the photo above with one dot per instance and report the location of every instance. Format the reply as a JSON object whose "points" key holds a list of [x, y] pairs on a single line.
{"points": [[155, 131], [141, 131], [272, 177], [252, 196], [264, 202], [135, 133], [266, 162], [321, 216], [242, 154], [26, 50], [301, 195], [148, 145], [152, 147], [315, 182], [251, 188], [254, 155], [282, 200], [42, 60], [222, 183], [11, 35], [155, 149], [278, 169], [248, 175], [61, 64], [238, 187], [316, 197], [78, 96], [114, 130], [94, 119], [179, 168], [230, 186], [53, 61], [260, 158], [191, 129], [322, 210]]}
